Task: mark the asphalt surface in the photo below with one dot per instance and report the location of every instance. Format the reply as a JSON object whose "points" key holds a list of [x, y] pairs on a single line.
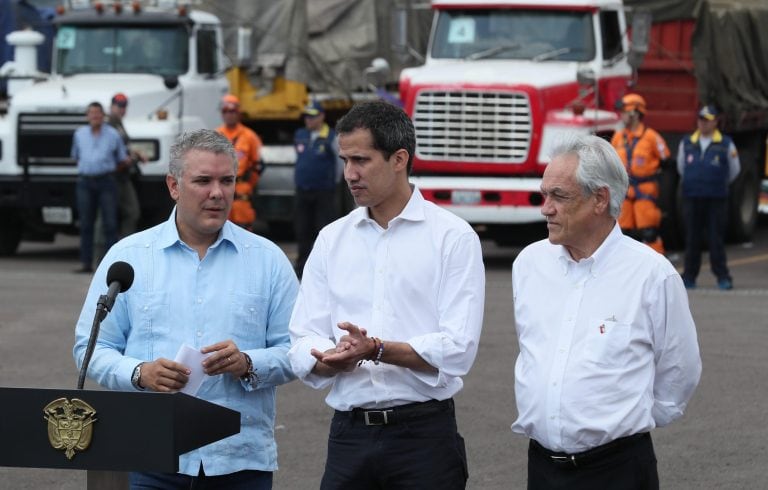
{"points": [[719, 443]]}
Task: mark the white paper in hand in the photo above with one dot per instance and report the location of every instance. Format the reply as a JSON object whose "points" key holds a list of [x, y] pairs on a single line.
{"points": [[193, 359]]}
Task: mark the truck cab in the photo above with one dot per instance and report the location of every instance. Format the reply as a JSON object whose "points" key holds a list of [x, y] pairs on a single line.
{"points": [[502, 79], [168, 62]]}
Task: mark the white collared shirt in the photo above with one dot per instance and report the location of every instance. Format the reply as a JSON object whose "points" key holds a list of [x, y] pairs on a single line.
{"points": [[608, 346], [419, 281]]}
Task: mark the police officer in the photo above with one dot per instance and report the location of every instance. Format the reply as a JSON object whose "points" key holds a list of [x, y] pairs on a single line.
{"points": [[642, 150], [317, 173], [708, 162]]}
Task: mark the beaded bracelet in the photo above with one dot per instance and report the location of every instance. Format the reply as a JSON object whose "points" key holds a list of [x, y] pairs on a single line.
{"points": [[379, 353]]}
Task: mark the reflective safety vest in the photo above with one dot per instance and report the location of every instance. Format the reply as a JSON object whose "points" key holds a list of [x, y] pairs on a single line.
{"points": [[706, 174], [315, 160], [641, 151]]}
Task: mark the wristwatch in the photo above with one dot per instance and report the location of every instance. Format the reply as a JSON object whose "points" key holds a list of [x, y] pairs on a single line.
{"points": [[136, 377]]}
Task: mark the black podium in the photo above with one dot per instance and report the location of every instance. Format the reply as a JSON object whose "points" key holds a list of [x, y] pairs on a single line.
{"points": [[106, 430]]}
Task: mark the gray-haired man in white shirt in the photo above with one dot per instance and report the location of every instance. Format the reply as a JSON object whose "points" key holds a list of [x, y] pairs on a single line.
{"points": [[618, 355], [389, 316]]}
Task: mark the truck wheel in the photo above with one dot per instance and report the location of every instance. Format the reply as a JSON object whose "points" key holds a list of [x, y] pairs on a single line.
{"points": [[10, 236], [743, 202]]}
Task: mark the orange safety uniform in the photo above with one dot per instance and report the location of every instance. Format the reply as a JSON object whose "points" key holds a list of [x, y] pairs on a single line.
{"points": [[642, 151], [248, 150]]}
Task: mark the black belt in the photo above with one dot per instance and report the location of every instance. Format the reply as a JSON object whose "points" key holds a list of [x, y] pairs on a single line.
{"points": [[394, 415], [586, 457], [96, 176]]}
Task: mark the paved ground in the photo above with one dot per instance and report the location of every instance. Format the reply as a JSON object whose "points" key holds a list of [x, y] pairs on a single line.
{"points": [[720, 443]]}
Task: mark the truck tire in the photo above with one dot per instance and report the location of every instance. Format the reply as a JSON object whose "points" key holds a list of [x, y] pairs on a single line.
{"points": [[11, 230], [744, 199]]}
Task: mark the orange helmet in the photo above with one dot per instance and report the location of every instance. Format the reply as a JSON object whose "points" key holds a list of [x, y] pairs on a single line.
{"points": [[230, 101], [632, 102]]}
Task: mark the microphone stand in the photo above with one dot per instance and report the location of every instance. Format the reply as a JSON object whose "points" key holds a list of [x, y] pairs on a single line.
{"points": [[101, 312]]}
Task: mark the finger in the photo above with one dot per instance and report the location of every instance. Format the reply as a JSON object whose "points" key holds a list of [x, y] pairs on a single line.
{"points": [[217, 346]]}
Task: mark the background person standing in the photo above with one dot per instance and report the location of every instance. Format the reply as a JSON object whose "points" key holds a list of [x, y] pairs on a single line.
{"points": [[642, 150], [98, 149], [129, 208], [316, 175], [248, 149], [708, 162]]}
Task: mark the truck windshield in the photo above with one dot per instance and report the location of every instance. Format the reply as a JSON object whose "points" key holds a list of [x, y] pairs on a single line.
{"points": [[160, 50], [539, 35]]}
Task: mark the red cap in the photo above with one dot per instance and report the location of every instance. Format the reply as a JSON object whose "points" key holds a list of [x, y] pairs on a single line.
{"points": [[120, 99]]}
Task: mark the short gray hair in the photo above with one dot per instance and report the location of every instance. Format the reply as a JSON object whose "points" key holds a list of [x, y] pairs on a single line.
{"points": [[200, 140], [599, 166]]}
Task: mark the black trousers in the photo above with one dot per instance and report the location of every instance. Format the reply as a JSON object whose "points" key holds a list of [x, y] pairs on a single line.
{"points": [[314, 210], [630, 465], [418, 453], [710, 216]]}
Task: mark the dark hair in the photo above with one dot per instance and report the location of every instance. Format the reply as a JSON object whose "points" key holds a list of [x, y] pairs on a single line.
{"points": [[95, 104], [391, 128]]}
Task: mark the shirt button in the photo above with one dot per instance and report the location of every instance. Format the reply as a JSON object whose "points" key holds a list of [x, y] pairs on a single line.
{"points": [[199, 300], [199, 333], [551, 417], [146, 308], [251, 309]]}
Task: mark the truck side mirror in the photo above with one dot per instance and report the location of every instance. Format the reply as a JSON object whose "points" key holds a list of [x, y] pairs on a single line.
{"points": [[171, 81], [244, 45], [400, 31], [641, 33]]}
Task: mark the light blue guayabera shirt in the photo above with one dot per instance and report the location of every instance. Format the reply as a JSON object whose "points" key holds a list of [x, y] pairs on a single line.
{"points": [[243, 289], [97, 154]]}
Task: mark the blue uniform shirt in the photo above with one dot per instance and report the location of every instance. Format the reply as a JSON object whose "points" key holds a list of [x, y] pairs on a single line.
{"points": [[243, 289], [97, 154]]}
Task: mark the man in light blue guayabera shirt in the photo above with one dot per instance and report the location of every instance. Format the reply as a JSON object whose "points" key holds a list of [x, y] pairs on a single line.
{"points": [[201, 281]]}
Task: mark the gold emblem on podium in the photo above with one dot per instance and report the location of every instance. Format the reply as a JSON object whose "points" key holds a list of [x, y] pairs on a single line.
{"points": [[70, 425]]}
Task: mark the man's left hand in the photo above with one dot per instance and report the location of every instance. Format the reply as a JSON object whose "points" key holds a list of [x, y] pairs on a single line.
{"points": [[225, 358]]}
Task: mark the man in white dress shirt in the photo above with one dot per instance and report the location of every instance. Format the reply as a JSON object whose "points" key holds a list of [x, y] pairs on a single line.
{"points": [[388, 316], [608, 347]]}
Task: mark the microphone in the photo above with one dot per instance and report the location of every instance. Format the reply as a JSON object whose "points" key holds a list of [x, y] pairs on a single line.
{"points": [[119, 280]]}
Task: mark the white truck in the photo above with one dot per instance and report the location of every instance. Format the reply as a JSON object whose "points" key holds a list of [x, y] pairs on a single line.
{"points": [[165, 57]]}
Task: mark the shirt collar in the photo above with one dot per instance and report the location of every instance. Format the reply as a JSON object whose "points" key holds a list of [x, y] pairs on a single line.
{"points": [[597, 259], [717, 136], [169, 234], [413, 210]]}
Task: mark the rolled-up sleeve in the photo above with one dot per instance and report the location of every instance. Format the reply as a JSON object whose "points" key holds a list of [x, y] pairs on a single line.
{"points": [[461, 300]]}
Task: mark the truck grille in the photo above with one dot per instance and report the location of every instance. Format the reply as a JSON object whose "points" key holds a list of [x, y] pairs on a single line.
{"points": [[473, 126], [46, 138]]}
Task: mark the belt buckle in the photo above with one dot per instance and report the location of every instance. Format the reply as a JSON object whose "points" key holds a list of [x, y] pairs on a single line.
{"points": [[564, 459], [376, 417]]}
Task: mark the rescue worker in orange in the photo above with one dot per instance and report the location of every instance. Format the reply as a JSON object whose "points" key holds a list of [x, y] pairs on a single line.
{"points": [[642, 150], [248, 150]]}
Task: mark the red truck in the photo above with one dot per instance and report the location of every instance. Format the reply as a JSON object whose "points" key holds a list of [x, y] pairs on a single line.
{"points": [[503, 78], [716, 54]]}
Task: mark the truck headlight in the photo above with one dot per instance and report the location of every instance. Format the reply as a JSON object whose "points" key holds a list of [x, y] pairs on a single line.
{"points": [[148, 148]]}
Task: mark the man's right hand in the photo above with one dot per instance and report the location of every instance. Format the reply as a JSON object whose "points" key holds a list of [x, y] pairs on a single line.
{"points": [[164, 375]]}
